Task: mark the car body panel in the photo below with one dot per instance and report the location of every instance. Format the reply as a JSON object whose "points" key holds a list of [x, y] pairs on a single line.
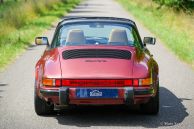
{"points": [[52, 65], [96, 67]]}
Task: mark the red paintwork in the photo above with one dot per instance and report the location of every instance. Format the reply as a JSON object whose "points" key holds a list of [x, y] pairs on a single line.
{"points": [[52, 65], [112, 68], [79, 68]]}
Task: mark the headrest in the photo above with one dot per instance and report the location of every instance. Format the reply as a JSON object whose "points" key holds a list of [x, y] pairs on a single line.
{"points": [[75, 37], [118, 37]]}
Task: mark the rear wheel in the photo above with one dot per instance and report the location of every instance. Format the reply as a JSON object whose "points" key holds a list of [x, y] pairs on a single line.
{"points": [[152, 107], [41, 107]]}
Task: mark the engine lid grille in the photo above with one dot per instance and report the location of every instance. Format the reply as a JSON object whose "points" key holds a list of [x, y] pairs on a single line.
{"points": [[96, 53]]}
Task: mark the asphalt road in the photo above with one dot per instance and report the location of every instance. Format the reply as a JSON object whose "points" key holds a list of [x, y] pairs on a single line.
{"points": [[176, 89]]}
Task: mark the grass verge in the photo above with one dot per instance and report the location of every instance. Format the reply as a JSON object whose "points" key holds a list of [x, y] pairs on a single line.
{"points": [[15, 36], [175, 29]]}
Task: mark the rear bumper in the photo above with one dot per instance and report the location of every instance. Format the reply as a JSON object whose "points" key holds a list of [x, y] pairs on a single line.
{"points": [[127, 95]]}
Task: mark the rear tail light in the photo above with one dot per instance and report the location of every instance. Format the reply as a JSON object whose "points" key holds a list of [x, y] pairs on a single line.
{"points": [[96, 82], [144, 82], [48, 82], [51, 82]]}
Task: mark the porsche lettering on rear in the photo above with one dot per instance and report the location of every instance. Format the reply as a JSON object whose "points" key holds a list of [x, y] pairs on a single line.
{"points": [[95, 61]]}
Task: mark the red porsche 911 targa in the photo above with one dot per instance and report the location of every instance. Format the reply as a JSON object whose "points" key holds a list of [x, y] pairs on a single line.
{"points": [[96, 61]]}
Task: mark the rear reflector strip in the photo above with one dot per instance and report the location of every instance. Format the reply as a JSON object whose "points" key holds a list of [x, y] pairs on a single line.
{"points": [[107, 83]]}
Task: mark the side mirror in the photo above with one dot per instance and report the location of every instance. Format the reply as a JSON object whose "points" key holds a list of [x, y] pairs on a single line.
{"points": [[149, 40], [41, 41]]}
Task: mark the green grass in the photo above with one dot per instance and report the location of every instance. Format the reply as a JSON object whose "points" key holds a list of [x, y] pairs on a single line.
{"points": [[16, 37], [175, 29]]}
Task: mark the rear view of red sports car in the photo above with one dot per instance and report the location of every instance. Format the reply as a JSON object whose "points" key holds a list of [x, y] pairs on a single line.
{"points": [[96, 61]]}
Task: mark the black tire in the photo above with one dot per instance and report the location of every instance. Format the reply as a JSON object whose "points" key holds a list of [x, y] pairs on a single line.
{"points": [[42, 107], [152, 107]]}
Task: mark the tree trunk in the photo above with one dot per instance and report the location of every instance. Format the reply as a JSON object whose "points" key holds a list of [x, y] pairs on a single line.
{"points": [[1, 1]]}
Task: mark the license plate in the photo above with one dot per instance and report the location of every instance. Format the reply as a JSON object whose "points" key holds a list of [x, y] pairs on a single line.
{"points": [[96, 93]]}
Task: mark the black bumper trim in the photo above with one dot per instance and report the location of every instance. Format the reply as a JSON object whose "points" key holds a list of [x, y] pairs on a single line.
{"points": [[63, 94], [143, 92], [56, 92], [49, 92], [129, 95]]}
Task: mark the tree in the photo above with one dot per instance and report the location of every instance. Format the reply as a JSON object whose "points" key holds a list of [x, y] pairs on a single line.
{"points": [[1, 1]]}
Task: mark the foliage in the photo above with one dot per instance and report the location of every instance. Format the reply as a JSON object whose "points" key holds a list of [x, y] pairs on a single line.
{"points": [[21, 21], [186, 5], [174, 28]]}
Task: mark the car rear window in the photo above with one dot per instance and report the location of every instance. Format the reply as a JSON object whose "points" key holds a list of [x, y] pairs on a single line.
{"points": [[96, 33]]}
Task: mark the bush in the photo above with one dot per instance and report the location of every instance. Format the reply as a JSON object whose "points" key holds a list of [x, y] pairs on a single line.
{"points": [[20, 13], [22, 20], [186, 5]]}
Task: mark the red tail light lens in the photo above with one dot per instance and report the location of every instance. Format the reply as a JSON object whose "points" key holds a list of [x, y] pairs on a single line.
{"points": [[135, 82], [128, 82], [66, 83], [58, 82]]}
